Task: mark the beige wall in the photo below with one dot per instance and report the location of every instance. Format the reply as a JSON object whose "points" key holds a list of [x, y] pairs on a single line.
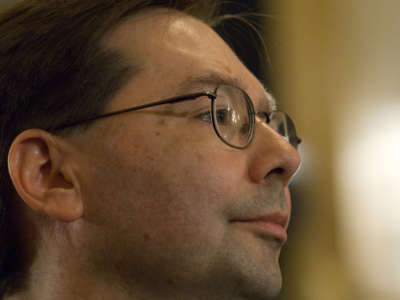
{"points": [[337, 68]]}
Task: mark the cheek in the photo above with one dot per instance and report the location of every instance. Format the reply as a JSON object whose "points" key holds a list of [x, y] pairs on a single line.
{"points": [[198, 188], [163, 201], [167, 184]]}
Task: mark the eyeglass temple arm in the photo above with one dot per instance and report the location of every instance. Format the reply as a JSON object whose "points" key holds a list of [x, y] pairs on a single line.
{"points": [[166, 101]]}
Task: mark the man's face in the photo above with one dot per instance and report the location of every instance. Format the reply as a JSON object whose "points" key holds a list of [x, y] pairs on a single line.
{"points": [[165, 198]]}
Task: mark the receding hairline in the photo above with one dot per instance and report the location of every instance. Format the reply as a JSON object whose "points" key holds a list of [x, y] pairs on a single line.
{"points": [[198, 81], [168, 13], [113, 40]]}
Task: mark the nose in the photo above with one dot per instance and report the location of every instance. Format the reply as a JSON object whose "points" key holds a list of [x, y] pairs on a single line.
{"points": [[271, 155]]}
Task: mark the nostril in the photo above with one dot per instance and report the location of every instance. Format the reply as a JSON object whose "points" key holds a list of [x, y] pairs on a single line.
{"points": [[275, 171]]}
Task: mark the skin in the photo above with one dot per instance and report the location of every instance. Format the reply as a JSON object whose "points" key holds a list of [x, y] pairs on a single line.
{"points": [[142, 205]]}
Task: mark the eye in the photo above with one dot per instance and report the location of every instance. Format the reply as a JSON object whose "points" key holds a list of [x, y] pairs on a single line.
{"points": [[205, 116], [223, 116]]}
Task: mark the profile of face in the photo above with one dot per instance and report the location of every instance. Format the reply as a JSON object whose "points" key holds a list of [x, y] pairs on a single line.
{"points": [[167, 207]]}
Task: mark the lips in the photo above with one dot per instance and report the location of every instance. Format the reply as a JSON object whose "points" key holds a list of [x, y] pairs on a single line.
{"points": [[273, 225]]}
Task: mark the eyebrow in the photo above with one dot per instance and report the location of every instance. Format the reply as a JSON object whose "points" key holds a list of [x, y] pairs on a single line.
{"points": [[214, 79]]}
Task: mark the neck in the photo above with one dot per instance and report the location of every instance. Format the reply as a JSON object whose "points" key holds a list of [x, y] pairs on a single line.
{"points": [[62, 268]]}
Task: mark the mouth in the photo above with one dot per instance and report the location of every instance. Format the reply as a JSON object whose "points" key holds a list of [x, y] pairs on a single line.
{"points": [[271, 225]]}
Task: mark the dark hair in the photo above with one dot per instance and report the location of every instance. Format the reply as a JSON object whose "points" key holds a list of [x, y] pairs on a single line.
{"points": [[54, 70]]}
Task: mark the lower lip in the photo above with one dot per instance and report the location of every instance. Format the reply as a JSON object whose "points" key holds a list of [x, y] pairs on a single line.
{"points": [[271, 229]]}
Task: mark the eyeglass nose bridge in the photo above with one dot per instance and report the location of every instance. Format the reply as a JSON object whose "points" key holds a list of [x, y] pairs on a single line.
{"points": [[281, 123]]}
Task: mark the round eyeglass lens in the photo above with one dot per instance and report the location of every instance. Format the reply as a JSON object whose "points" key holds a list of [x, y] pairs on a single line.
{"points": [[233, 116], [284, 125]]}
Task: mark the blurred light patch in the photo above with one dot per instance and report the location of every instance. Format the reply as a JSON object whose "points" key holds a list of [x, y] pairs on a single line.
{"points": [[368, 178]]}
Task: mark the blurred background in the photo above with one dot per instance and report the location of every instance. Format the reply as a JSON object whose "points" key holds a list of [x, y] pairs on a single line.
{"points": [[334, 66], [336, 70]]}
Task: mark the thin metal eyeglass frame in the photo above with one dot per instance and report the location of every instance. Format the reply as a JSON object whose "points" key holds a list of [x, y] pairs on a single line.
{"points": [[194, 96]]}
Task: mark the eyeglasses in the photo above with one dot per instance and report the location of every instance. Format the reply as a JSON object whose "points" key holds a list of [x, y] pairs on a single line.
{"points": [[232, 115]]}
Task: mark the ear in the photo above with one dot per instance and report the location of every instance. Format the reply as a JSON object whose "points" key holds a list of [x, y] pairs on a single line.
{"points": [[42, 176]]}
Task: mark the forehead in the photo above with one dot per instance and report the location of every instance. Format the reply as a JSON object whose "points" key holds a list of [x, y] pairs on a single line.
{"points": [[179, 53]]}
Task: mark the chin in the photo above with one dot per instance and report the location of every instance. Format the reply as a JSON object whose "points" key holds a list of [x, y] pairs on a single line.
{"points": [[266, 289], [253, 283]]}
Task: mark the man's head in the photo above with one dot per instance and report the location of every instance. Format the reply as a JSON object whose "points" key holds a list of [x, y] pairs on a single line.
{"points": [[150, 203]]}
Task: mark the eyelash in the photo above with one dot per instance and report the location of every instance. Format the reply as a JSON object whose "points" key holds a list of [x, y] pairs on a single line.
{"points": [[206, 116], [202, 116], [261, 114]]}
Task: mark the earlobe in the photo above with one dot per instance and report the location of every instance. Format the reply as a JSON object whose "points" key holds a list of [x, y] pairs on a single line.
{"points": [[62, 205], [42, 177]]}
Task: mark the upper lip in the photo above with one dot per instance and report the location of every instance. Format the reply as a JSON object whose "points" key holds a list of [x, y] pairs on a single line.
{"points": [[276, 218]]}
